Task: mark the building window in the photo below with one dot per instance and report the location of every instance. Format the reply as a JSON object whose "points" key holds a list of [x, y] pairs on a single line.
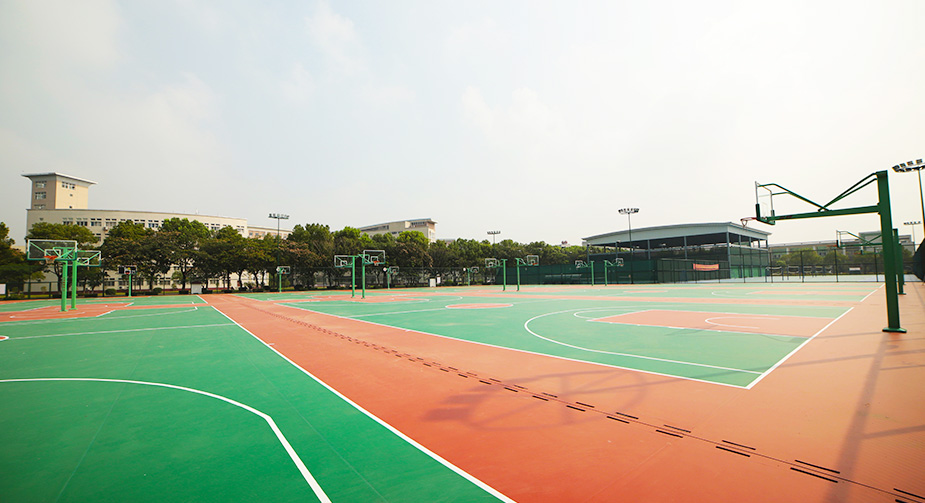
{"points": [[40, 195], [82, 222], [40, 206], [67, 221], [96, 222], [40, 185], [67, 185]]}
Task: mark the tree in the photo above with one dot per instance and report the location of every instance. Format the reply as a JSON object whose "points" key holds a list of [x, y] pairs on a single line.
{"points": [[186, 236], [318, 237], [224, 255], [350, 241], [259, 257], [508, 249], [442, 255], [125, 245], [14, 268]]}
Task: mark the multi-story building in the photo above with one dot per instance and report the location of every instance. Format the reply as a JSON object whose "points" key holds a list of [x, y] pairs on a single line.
{"points": [[63, 199], [425, 226], [58, 198]]}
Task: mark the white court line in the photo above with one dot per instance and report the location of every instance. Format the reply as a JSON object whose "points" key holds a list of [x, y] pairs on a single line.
{"points": [[873, 292], [711, 322], [31, 309], [547, 355], [629, 355], [782, 360], [459, 471], [96, 318], [120, 331], [276, 431], [418, 310], [400, 312]]}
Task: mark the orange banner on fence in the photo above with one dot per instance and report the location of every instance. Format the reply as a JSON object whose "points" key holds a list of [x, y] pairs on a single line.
{"points": [[706, 267]]}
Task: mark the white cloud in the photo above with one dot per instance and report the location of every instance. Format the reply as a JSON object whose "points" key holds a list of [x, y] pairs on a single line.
{"points": [[470, 43], [300, 85], [387, 96], [526, 120], [334, 35]]}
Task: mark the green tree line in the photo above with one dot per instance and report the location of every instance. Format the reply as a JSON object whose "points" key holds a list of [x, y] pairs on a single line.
{"points": [[184, 251]]}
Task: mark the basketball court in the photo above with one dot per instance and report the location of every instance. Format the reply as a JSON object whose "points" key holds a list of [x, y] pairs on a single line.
{"points": [[706, 392]]}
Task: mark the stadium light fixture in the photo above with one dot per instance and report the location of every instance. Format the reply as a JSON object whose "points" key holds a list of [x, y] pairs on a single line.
{"points": [[493, 234], [916, 165], [629, 212], [913, 224]]}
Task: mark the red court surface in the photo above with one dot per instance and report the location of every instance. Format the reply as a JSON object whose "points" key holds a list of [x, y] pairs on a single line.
{"points": [[843, 419], [798, 326]]}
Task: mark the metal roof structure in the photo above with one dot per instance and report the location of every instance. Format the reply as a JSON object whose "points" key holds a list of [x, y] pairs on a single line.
{"points": [[680, 235]]}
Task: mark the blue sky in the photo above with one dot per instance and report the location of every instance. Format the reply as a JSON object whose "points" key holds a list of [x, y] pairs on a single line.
{"points": [[539, 119]]}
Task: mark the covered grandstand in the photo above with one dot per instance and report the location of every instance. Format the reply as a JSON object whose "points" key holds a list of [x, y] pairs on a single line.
{"points": [[684, 252]]}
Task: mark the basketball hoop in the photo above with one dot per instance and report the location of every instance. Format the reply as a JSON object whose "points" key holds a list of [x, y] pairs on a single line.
{"points": [[50, 259], [746, 220]]}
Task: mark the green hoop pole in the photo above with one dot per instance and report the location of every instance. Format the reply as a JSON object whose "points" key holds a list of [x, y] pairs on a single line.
{"points": [[64, 289], [73, 283]]}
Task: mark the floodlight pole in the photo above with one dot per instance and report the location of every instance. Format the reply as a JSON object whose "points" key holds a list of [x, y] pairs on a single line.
{"points": [[493, 234], [917, 165], [630, 212], [279, 274], [913, 224]]}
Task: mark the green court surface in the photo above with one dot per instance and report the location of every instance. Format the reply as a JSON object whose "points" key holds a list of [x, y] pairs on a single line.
{"points": [[535, 321], [170, 300], [181, 404], [25, 305]]}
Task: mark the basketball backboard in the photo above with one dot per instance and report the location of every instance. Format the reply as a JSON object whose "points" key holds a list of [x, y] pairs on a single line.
{"points": [[88, 258], [50, 250], [373, 257], [344, 260]]}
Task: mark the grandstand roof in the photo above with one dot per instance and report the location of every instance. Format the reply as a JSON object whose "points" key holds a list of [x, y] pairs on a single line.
{"points": [[680, 235]]}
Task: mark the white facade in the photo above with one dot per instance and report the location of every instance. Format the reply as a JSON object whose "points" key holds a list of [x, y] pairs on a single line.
{"points": [[57, 198], [100, 222], [425, 226]]}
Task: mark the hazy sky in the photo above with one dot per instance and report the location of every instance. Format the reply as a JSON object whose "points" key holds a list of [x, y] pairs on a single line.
{"points": [[538, 119]]}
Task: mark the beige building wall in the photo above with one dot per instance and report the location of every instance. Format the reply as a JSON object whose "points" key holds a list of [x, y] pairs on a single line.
{"points": [[100, 222], [63, 199], [260, 232], [425, 226], [58, 191]]}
